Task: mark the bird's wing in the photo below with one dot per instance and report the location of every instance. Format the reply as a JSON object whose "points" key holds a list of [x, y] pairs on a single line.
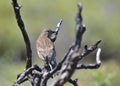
{"points": [[44, 47]]}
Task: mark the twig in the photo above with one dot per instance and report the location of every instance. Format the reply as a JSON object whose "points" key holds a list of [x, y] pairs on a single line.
{"points": [[91, 66], [74, 82], [54, 36], [87, 50], [58, 26]]}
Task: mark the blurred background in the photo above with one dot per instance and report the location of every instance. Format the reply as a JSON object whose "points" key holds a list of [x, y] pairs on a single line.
{"points": [[101, 17]]}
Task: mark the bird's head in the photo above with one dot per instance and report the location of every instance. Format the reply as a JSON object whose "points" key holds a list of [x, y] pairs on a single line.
{"points": [[49, 33]]}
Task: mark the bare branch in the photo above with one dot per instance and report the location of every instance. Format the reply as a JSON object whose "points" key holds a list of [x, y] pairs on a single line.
{"points": [[80, 28], [74, 82], [91, 66], [74, 55], [24, 33], [98, 56], [58, 26], [88, 50], [54, 37], [24, 76]]}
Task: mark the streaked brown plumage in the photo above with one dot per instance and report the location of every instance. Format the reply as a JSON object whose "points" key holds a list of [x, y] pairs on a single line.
{"points": [[46, 49]]}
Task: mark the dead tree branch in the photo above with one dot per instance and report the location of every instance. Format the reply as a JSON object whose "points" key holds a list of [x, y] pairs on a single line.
{"points": [[74, 55], [91, 66], [74, 82], [21, 25], [69, 63]]}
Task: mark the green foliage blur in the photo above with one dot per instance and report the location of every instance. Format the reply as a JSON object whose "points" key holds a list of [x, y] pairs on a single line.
{"points": [[101, 18]]}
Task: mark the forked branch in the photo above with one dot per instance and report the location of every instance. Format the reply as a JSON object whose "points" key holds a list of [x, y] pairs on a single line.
{"points": [[74, 54], [69, 63]]}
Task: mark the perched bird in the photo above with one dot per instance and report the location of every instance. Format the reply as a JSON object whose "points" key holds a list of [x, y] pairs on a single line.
{"points": [[46, 48]]}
